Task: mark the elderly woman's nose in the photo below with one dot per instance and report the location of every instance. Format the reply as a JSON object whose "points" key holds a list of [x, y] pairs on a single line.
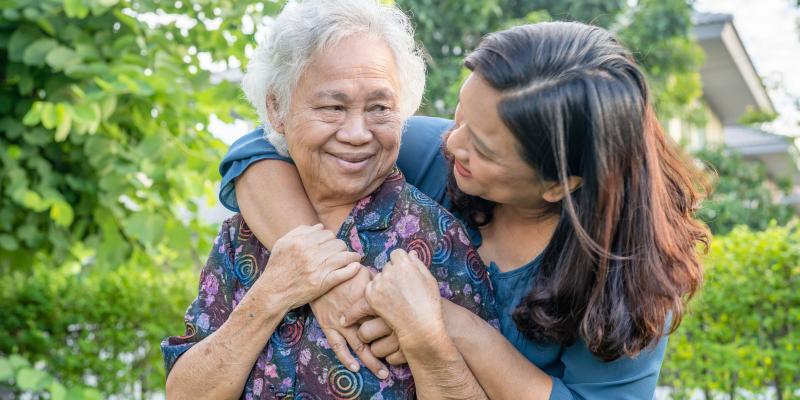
{"points": [[354, 131]]}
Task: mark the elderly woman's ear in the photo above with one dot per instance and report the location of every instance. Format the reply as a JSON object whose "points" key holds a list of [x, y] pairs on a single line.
{"points": [[272, 113]]}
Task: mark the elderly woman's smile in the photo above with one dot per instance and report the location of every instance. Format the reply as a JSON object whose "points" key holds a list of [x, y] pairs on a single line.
{"points": [[343, 126]]}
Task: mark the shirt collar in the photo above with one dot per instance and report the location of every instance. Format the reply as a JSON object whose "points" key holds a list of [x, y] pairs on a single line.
{"points": [[375, 211]]}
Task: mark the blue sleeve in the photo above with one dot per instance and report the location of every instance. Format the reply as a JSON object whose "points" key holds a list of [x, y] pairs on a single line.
{"points": [[420, 159], [244, 151], [586, 377]]}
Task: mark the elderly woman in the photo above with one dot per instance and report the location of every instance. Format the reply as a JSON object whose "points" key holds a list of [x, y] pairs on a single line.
{"points": [[334, 83]]}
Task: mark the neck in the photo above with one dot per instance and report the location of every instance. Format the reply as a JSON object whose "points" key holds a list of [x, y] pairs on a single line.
{"points": [[515, 236]]}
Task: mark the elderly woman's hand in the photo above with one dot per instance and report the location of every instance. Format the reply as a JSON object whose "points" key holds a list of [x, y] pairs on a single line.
{"points": [[305, 264], [406, 296], [329, 307]]}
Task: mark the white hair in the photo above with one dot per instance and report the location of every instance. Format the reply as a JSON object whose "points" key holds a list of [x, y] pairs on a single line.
{"points": [[306, 28]]}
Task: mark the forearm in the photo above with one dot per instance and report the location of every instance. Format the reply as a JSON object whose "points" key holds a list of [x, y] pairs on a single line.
{"points": [[218, 366], [273, 201], [503, 372], [439, 370]]}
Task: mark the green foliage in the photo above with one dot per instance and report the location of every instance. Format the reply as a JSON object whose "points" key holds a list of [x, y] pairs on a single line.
{"points": [[741, 332], [105, 324], [743, 194], [104, 152], [656, 31], [17, 375], [756, 117]]}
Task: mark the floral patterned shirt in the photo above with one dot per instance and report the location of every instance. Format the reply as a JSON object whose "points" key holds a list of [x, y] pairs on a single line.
{"points": [[297, 362]]}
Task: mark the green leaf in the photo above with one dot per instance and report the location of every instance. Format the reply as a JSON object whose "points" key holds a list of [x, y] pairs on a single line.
{"points": [[6, 372], [31, 379], [36, 52], [14, 152], [8, 242], [76, 8], [20, 40], [86, 113], [48, 115], [63, 121], [147, 228], [62, 213], [33, 201], [61, 58], [57, 391]]}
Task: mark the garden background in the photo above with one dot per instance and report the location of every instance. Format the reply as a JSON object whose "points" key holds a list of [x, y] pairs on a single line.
{"points": [[108, 166]]}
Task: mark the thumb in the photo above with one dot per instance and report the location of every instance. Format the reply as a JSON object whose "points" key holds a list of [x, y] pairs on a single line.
{"points": [[356, 312]]}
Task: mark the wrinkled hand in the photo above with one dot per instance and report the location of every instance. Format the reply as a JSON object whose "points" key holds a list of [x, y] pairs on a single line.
{"points": [[406, 296], [328, 309], [305, 264], [382, 341]]}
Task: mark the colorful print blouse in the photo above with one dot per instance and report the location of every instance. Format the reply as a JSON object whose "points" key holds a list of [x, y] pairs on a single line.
{"points": [[297, 362]]}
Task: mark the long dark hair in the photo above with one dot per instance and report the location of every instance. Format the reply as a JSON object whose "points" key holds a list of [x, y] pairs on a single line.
{"points": [[624, 255]]}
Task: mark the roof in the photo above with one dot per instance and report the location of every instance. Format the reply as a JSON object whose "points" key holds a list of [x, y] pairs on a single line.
{"points": [[731, 84]]}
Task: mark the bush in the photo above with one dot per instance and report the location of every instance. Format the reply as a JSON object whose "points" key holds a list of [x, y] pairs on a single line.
{"points": [[742, 330], [101, 328]]}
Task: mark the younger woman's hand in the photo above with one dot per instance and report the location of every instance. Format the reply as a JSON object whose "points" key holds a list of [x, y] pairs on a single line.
{"points": [[406, 296], [328, 309], [382, 341]]}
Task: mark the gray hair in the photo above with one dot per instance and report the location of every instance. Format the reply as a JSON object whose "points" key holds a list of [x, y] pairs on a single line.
{"points": [[305, 28]]}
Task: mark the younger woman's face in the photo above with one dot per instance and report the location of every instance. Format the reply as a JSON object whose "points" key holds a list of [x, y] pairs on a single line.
{"points": [[487, 159]]}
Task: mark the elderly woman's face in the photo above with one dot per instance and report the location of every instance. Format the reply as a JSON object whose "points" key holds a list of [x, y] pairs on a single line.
{"points": [[343, 126]]}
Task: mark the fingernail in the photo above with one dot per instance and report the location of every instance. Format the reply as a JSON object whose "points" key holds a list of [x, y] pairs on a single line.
{"points": [[342, 320], [354, 367], [383, 374]]}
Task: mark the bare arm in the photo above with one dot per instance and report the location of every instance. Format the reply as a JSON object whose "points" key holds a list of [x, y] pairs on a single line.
{"points": [[406, 296], [503, 372], [272, 200], [217, 367], [439, 370], [305, 263]]}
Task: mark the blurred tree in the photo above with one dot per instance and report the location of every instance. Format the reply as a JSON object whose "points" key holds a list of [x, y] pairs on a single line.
{"points": [[658, 33], [104, 151], [743, 194]]}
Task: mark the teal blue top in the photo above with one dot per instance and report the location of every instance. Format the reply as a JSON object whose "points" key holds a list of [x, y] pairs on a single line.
{"points": [[576, 373]]}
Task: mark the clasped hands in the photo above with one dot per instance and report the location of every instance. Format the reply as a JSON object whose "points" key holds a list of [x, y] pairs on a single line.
{"points": [[378, 313]]}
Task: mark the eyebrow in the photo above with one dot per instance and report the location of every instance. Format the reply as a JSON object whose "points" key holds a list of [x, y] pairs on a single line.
{"points": [[478, 142], [334, 94], [379, 94]]}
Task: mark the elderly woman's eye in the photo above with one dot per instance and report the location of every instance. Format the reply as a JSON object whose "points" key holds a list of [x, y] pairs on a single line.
{"points": [[380, 108], [332, 108]]}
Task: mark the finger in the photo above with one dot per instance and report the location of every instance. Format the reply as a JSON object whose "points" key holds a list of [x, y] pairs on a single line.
{"points": [[305, 229], [332, 246], [397, 358], [398, 256], [373, 329], [416, 261], [335, 277], [356, 312], [385, 346], [342, 259], [339, 346], [365, 355], [319, 236]]}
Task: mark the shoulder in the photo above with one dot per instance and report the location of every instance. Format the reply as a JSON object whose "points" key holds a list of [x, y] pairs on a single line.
{"points": [[438, 228], [430, 125]]}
